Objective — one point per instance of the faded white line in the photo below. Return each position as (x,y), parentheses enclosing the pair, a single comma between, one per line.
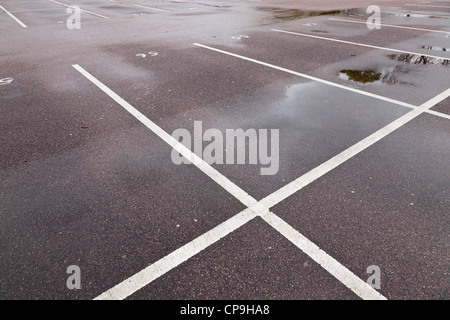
(82,10)
(174,259)
(349,153)
(368,94)
(215,175)
(360,44)
(12,16)
(391,26)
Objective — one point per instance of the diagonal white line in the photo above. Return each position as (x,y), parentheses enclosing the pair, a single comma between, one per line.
(215,175)
(391,26)
(360,44)
(12,16)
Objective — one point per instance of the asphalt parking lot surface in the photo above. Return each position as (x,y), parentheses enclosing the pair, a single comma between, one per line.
(87,176)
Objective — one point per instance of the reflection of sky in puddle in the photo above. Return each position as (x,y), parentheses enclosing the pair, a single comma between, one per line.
(386,75)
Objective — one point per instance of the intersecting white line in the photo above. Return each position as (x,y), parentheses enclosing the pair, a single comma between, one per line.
(391,26)
(359,44)
(261,208)
(12,16)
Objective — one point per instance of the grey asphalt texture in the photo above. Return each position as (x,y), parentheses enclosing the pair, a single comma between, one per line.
(82,182)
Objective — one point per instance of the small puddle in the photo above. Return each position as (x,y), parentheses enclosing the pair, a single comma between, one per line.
(293,14)
(373,76)
(418,59)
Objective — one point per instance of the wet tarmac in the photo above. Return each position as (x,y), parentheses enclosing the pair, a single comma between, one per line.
(83,182)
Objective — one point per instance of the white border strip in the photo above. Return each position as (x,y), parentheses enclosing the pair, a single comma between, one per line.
(12,16)
(360,44)
(82,10)
(391,26)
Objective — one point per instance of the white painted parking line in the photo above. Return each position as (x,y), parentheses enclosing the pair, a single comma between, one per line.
(426,5)
(360,44)
(82,10)
(368,94)
(12,16)
(341,273)
(140,6)
(174,259)
(391,26)
(215,175)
